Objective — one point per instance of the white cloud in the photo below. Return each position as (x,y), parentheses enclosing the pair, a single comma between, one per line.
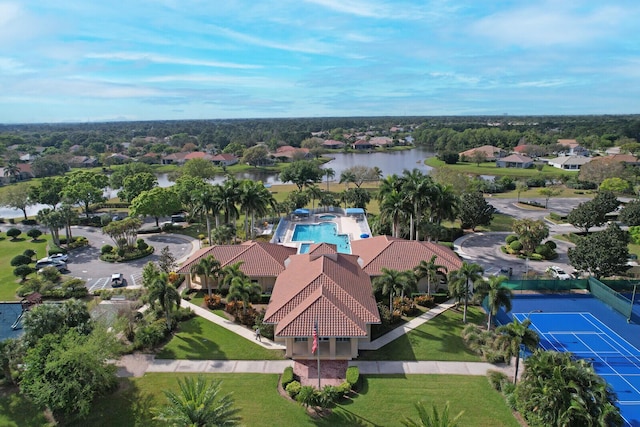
(11,66)
(150,57)
(549,23)
(365,9)
(305,46)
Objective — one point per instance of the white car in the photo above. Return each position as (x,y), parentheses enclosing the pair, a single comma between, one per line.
(558,273)
(59,257)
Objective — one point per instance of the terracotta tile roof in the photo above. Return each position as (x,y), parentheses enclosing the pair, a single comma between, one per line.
(224,157)
(489,150)
(259,259)
(399,254)
(322,248)
(329,288)
(198,155)
(568,142)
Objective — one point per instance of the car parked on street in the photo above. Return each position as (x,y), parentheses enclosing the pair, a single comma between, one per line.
(558,273)
(118,280)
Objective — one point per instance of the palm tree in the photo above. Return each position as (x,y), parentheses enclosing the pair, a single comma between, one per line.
(230,272)
(12,170)
(207,267)
(444,203)
(393,209)
(244,290)
(394,282)
(314,192)
(254,199)
(328,173)
(163,292)
(416,187)
(346,178)
(230,194)
(198,404)
(464,277)
(514,335)
(497,296)
(558,390)
(435,419)
(429,270)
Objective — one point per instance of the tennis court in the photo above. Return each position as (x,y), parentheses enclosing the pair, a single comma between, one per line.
(589,329)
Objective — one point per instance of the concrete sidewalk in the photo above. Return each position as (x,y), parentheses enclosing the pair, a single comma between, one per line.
(429,367)
(233,327)
(407,327)
(366,367)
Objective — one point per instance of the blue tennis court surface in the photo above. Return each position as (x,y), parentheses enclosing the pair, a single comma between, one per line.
(583,334)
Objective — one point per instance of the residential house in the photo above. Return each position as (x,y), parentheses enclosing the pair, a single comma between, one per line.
(327,291)
(492,153)
(289,153)
(262,262)
(197,155)
(118,159)
(332,144)
(572,147)
(224,159)
(628,159)
(519,161)
(569,163)
(362,144)
(381,141)
(174,159)
(82,162)
(25,172)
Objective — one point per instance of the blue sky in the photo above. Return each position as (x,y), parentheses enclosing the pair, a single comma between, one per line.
(90,60)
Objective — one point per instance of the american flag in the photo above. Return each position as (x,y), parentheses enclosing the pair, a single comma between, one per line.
(315,339)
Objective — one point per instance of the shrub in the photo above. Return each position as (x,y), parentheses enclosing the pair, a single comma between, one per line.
(51,274)
(53,249)
(345,388)
(14,233)
(424,300)
(353,376)
(77,243)
(287,376)
(29,222)
(535,257)
(544,250)
(511,238)
(551,244)
(34,233)
(536,182)
(213,302)
(293,388)
(440,297)
(106,249)
(328,396)
(449,157)
(149,336)
(22,271)
(496,379)
(516,245)
(308,396)
(20,260)
(141,244)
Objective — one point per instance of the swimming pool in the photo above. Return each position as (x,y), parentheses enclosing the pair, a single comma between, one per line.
(327,217)
(326,232)
(9,312)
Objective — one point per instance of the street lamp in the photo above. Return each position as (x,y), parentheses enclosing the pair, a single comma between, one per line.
(523,330)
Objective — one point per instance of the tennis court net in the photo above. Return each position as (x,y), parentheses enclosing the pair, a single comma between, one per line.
(613,299)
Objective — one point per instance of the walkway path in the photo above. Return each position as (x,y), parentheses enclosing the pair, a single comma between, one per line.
(139,364)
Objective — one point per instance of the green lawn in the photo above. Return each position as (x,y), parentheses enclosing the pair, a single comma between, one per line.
(383,401)
(489,168)
(438,339)
(16,411)
(500,222)
(9,249)
(199,339)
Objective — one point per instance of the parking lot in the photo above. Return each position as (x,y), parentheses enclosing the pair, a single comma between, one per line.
(85,264)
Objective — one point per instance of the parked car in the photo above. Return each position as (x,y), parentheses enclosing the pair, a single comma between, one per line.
(558,273)
(60,265)
(118,280)
(61,257)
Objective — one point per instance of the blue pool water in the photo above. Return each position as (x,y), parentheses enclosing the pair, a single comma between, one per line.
(8,314)
(327,217)
(304,248)
(326,232)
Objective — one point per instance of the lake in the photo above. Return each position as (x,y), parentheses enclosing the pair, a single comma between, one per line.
(389,162)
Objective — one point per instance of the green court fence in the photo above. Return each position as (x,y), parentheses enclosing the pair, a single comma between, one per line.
(546,285)
(610,297)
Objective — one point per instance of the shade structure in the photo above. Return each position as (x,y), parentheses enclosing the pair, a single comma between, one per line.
(354,211)
(300,211)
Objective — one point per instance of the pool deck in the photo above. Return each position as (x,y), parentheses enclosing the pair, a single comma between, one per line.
(352,226)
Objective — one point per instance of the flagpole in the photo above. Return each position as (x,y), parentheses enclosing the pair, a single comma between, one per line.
(317,332)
